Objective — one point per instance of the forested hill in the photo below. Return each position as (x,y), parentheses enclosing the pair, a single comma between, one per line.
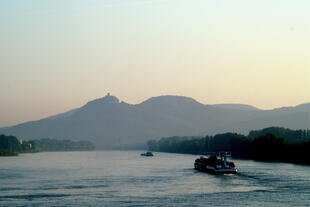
(110,123)
(290,136)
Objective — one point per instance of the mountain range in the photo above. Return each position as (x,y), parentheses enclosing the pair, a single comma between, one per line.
(110,123)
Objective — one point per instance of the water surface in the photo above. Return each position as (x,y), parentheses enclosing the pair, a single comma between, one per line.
(124,178)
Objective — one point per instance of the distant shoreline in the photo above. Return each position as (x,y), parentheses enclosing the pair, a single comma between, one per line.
(12,146)
(273,144)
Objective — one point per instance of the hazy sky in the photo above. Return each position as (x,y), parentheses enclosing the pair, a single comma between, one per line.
(55,55)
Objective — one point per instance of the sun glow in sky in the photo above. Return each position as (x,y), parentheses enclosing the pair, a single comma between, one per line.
(57,55)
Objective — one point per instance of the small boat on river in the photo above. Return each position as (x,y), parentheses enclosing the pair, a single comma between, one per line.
(147,154)
(215,164)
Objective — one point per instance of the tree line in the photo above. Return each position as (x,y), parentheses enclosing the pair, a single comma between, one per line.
(11,145)
(269,144)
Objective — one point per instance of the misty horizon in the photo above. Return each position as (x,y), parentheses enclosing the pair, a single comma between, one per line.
(109,94)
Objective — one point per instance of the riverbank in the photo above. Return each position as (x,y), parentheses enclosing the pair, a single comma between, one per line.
(265,147)
(12,146)
(6,153)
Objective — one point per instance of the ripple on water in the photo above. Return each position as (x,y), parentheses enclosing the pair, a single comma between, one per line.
(33,196)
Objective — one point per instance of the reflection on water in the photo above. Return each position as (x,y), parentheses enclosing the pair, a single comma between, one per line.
(124,178)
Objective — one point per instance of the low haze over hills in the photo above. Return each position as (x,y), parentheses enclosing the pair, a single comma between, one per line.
(109,123)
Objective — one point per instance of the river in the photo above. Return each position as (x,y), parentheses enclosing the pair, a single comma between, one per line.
(124,178)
